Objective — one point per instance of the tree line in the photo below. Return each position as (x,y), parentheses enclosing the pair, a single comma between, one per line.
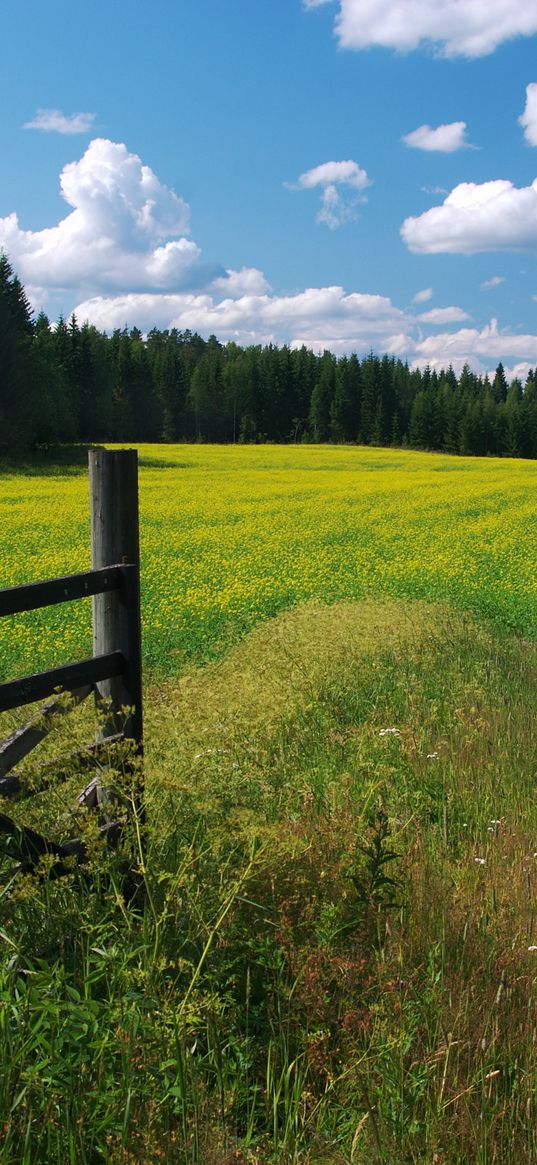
(72,383)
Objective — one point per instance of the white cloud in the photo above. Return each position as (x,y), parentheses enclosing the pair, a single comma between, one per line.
(319,317)
(122,231)
(529,118)
(519,370)
(445,138)
(491,216)
(423,296)
(347,173)
(474,346)
(468,28)
(444,315)
(434,190)
(337,206)
(335,211)
(53,120)
(37,297)
(494,281)
(234,284)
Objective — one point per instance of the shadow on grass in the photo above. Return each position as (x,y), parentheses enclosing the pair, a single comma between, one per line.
(162,463)
(66,460)
(47,460)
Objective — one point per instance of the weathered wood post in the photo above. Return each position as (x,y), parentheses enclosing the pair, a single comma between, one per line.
(116,615)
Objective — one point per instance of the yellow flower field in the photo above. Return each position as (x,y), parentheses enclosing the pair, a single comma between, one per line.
(230,535)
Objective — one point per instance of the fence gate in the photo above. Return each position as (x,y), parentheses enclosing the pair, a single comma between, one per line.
(113,673)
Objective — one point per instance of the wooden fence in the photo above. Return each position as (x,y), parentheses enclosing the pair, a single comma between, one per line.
(113,673)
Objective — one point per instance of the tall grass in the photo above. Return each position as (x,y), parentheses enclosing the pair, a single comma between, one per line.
(336,957)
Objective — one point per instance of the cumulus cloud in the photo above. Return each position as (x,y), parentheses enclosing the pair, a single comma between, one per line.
(125,229)
(474,346)
(494,281)
(444,315)
(468,28)
(318,317)
(491,216)
(341,184)
(234,284)
(445,138)
(348,173)
(529,118)
(54,121)
(519,370)
(423,296)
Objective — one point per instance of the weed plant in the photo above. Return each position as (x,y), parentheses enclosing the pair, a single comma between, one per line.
(334,960)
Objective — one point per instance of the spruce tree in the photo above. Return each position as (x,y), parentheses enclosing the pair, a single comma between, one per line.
(499,385)
(322,398)
(19,390)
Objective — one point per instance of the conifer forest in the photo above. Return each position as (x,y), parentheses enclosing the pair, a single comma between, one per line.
(69,382)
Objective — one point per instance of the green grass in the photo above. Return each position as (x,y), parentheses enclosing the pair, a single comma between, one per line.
(322,973)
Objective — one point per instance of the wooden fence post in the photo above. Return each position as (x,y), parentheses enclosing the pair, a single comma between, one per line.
(116,615)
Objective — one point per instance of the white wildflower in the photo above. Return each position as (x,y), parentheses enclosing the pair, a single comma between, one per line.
(390,732)
(209,752)
(481,861)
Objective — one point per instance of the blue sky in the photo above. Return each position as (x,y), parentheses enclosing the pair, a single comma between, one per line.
(350,174)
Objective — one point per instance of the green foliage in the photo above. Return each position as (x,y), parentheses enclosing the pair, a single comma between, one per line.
(18,417)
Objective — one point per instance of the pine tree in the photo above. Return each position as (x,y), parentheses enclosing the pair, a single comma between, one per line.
(499,385)
(451,409)
(207,397)
(472,439)
(20,401)
(56,420)
(370,397)
(514,432)
(345,409)
(322,398)
(304,365)
(419,422)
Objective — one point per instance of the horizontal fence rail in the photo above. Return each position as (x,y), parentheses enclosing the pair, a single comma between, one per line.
(27,690)
(23,740)
(53,772)
(32,596)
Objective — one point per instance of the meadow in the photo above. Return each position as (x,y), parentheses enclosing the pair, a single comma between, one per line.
(335,959)
(232,535)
